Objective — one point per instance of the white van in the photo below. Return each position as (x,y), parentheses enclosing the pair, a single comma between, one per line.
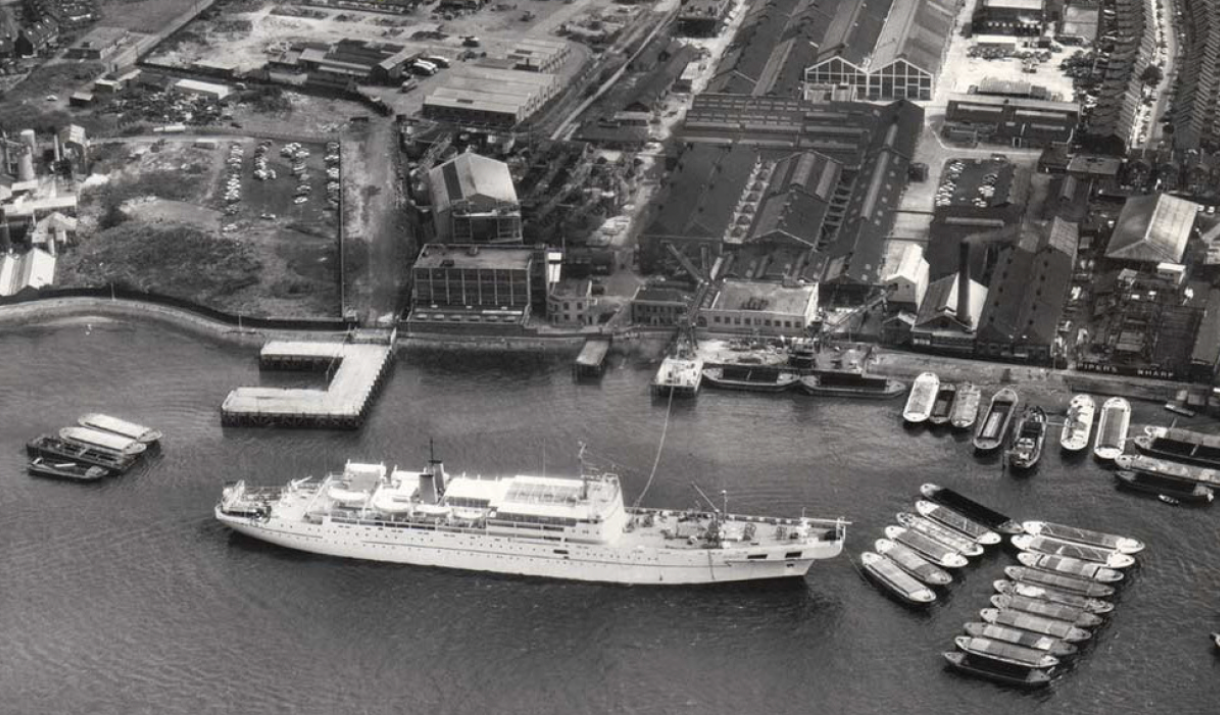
(423,67)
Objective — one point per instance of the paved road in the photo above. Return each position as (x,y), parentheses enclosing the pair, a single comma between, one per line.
(377,243)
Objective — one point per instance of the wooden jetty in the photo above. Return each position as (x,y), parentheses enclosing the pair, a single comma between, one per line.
(592,359)
(359,368)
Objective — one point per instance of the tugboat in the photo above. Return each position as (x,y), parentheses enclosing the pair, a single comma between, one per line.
(923,394)
(1111,438)
(942,406)
(965,406)
(1079,423)
(1026,449)
(994,428)
(751,378)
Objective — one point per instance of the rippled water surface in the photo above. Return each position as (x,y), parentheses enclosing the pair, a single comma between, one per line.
(126,597)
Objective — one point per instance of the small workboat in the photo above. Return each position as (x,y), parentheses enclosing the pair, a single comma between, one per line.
(98,439)
(897,581)
(1016,636)
(131,430)
(1050,595)
(1171,501)
(1062,630)
(59,469)
(1181,445)
(942,406)
(750,378)
(957,522)
(1215,639)
(1068,549)
(1180,409)
(926,547)
(998,671)
(965,406)
(1007,652)
(851,384)
(923,396)
(1070,567)
(1176,489)
(53,447)
(955,540)
(1026,447)
(1088,537)
(1076,616)
(1078,424)
(1059,581)
(993,430)
(1112,429)
(969,508)
(913,563)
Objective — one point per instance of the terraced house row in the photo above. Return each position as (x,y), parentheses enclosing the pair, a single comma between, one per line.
(1196,111)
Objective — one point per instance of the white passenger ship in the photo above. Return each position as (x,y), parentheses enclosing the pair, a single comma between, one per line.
(576,529)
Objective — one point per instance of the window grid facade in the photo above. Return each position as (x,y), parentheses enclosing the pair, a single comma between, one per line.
(897,80)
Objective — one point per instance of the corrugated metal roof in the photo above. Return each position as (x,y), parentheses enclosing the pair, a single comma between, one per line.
(1152,229)
(471,177)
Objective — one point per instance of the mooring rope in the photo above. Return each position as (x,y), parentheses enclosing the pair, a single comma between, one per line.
(660,447)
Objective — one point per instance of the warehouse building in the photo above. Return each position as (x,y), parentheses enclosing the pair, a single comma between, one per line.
(761,308)
(1152,229)
(474,201)
(473,284)
(1009,17)
(539,54)
(1019,121)
(883,49)
(489,96)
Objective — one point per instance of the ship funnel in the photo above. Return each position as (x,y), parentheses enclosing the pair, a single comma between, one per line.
(963,286)
(432,479)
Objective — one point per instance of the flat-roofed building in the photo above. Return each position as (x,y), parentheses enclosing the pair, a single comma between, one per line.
(100,43)
(884,49)
(474,201)
(658,305)
(1018,121)
(1010,17)
(203,89)
(762,308)
(539,54)
(702,18)
(489,96)
(571,302)
(473,277)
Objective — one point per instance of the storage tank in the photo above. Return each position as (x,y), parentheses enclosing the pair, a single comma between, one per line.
(25,167)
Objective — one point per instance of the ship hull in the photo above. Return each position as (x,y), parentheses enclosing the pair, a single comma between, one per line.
(524,557)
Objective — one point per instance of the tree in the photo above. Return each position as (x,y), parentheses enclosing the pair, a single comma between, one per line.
(1152,75)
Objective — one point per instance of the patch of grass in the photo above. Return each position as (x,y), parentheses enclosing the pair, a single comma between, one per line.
(172,259)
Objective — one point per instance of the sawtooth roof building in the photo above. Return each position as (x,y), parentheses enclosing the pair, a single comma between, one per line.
(824,179)
(883,49)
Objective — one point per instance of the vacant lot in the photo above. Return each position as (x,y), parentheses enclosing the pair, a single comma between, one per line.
(158,223)
(146,16)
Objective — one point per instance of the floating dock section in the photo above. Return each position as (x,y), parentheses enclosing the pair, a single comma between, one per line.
(592,359)
(678,376)
(358,369)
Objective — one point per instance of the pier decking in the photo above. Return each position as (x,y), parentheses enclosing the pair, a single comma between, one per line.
(592,359)
(359,369)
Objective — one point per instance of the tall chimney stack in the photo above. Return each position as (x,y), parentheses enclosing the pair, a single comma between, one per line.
(963,285)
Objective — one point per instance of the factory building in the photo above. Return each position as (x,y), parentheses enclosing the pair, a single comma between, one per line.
(473,284)
(883,49)
(489,96)
(1009,17)
(1019,121)
(474,201)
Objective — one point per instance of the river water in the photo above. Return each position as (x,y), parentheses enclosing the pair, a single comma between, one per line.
(126,596)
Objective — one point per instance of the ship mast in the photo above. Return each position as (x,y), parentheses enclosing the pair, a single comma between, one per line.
(584,475)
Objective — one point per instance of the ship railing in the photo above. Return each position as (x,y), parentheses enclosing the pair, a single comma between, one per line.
(743,518)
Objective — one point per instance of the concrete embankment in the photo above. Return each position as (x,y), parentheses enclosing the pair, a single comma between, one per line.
(1035,382)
